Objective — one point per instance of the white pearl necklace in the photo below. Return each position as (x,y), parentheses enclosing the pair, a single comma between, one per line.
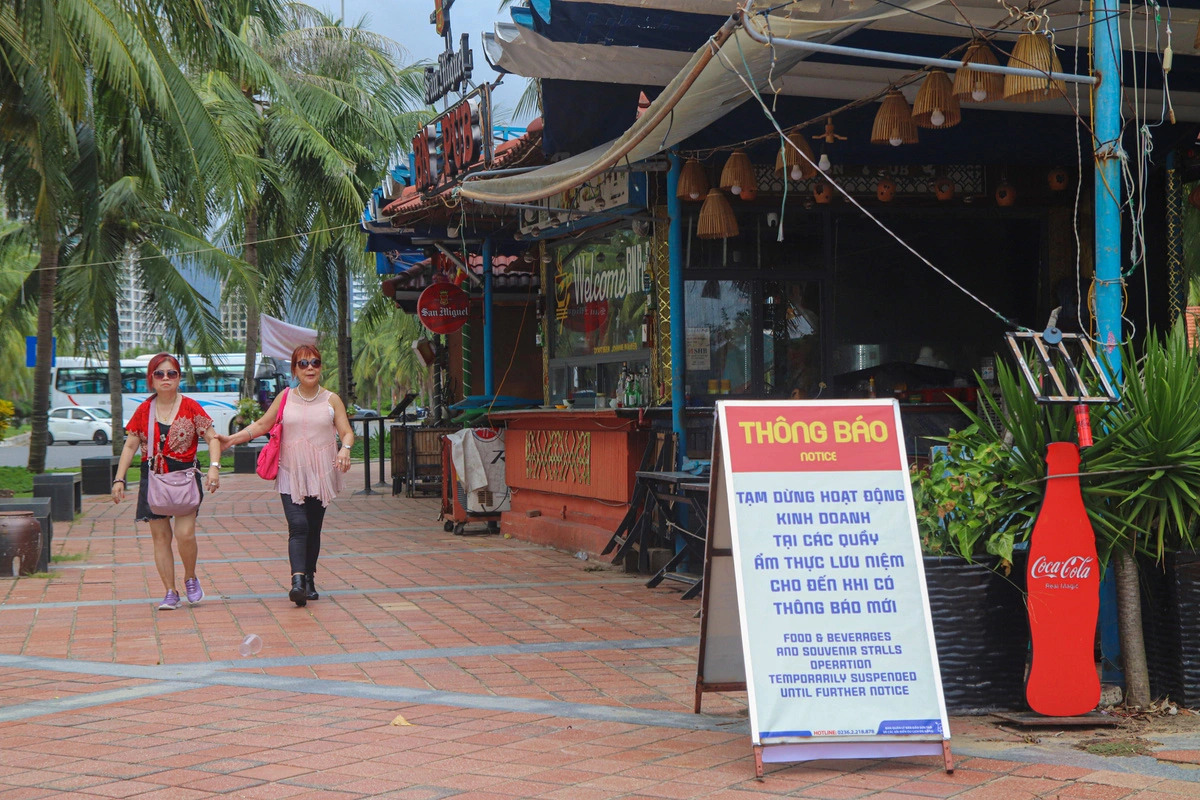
(300,394)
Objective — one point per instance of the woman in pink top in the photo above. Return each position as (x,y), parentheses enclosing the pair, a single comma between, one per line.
(310,463)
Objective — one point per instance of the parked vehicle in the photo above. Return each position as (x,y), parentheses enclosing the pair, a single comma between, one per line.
(77,424)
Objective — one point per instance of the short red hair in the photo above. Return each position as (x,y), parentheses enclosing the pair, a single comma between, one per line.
(157,362)
(302,351)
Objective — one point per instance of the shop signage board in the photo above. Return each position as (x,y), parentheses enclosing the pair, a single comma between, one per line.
(455,141)
(609,192)
(443,308)
(453,69)
(813,540)
(600,297)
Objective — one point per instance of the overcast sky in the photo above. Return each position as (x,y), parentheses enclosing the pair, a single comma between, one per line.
(407,21)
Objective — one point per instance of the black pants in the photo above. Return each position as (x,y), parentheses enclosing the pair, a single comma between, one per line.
(304,532)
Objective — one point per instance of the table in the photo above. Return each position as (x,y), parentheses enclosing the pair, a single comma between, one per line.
(673,493)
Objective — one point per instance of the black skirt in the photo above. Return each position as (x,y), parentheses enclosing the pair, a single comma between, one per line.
(144,514)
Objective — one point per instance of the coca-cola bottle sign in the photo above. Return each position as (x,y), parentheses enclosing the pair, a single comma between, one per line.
(1064,594)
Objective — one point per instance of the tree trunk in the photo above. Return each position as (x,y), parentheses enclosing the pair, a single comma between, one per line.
(47,285)
(250,256)
(1129,623)
(345,382)
(114,381)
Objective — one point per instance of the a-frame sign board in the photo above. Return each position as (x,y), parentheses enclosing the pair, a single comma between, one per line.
(814,587)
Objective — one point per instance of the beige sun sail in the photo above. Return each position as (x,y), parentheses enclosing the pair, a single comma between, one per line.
(708,87)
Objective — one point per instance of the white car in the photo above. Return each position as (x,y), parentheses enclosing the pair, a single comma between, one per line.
(76,424)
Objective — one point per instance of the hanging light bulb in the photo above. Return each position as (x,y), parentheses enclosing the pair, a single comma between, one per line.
(796,174)
(738,173)
(973,85)
(824,164)
(894,122)
(936,106)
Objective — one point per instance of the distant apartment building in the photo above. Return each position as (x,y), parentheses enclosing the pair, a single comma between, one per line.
(136,324)
(233,320)
(360,293)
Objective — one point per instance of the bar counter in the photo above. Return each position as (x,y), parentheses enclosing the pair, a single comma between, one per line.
(571,472)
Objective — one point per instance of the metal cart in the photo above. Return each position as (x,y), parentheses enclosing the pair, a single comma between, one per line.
(456,505)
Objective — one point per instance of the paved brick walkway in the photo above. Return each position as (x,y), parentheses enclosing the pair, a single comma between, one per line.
(433,666)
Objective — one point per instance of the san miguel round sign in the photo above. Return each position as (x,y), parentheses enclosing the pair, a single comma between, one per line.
(443,308)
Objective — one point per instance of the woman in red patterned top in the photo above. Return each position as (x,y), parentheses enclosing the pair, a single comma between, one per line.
(179,424)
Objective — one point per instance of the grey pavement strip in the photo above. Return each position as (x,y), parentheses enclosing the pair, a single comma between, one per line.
(40,708)
(376,656)
(282,595)
(521,705)
(198,670)
(360,554)
(432,527)
(1068,756)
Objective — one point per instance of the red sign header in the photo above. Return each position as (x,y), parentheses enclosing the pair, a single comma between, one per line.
(790,438)
(443,308)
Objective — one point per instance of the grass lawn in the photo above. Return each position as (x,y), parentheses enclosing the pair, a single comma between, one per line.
(20,480)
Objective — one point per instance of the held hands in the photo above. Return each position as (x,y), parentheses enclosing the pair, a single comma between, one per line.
(225,440)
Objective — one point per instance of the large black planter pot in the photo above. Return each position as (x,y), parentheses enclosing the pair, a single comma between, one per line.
(982,633)
(1171,627)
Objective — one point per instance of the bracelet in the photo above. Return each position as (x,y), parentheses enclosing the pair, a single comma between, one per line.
(214,466)
(120,481)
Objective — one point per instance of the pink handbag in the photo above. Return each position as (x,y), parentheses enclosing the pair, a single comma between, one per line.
(268,458)
(169,494)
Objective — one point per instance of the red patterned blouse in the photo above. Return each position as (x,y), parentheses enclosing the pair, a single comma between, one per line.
(190,424)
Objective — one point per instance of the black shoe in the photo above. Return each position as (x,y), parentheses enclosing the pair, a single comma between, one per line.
(298,595)
(311,587)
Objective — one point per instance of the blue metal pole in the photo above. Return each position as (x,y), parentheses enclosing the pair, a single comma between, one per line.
(1106,50)
(489,361)
(675,245)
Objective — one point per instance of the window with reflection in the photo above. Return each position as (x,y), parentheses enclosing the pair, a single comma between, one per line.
(720,329)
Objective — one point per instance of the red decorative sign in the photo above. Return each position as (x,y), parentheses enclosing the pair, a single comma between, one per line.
(443,308)
(453,142)
(1064,594)
(588,317)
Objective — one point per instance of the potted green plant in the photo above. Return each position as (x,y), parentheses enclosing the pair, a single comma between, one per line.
(968,528)
(245,456)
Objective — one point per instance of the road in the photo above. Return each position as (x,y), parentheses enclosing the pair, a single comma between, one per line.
(58,456)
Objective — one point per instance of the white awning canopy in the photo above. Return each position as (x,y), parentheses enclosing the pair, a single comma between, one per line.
(712,82)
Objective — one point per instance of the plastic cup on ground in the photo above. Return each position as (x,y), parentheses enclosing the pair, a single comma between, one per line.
(250,646)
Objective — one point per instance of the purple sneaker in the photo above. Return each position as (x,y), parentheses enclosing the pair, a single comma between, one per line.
(170,602)
(192,588)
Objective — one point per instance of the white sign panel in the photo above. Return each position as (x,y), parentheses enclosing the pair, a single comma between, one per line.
(836,631)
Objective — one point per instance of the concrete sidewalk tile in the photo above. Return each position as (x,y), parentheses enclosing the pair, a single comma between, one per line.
(1128,780)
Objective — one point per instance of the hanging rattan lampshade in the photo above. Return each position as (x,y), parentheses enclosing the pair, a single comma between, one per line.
(717,220)
(693,183)
(790,164)
(738,173)
(973,86)
(1033,51)
(893,122)
(936,106)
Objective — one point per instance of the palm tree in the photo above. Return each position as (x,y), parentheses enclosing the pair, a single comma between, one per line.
(385,364)
(56,58)
(135,223)
(311,131)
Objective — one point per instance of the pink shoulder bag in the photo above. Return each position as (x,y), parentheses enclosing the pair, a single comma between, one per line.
(268,458)
(169,494)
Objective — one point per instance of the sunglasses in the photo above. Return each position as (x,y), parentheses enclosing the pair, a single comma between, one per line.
(305,363)
(171,373)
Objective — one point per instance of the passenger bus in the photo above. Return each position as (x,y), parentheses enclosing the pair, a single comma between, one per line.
(84,382)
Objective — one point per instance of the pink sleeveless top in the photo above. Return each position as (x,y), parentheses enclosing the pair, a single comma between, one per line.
(309,450)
